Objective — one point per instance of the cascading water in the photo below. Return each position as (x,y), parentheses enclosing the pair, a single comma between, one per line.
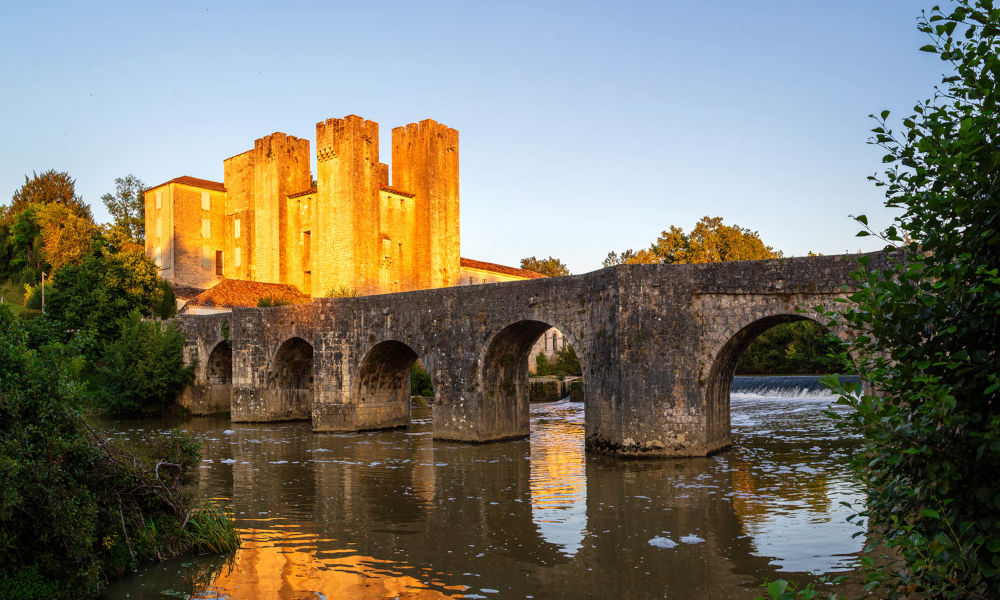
(784,386)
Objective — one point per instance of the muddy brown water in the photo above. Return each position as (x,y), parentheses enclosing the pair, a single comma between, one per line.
(396,514)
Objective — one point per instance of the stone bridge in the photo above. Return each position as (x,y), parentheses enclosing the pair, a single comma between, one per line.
(658,345)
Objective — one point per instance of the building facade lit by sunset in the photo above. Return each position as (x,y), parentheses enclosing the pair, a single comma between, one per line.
(350,228)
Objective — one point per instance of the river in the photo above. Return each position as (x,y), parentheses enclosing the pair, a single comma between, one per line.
(397,515)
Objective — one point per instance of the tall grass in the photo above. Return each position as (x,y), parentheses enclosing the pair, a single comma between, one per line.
(211,530)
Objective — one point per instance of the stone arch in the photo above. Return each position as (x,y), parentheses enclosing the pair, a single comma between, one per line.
(219,369)
(290,380)
(382,391)
(219,378)
(503,409)
(720,377)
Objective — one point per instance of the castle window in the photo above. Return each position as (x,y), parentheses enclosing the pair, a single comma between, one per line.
(159,200)
(218,263)
(158,257)
(236,229)
(206,228)
(206,257)
(206,201)
(236,256)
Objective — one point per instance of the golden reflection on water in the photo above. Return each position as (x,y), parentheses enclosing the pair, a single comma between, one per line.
(399,515)
(282,563)
(558,478)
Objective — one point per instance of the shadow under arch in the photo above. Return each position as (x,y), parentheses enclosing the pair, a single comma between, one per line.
(720,378)
(504,412)
(290,380)
(219,377)
(382,393)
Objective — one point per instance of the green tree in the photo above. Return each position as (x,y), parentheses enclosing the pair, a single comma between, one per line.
(23,246)
(802,347)
(128,207)
(76,509)
(710,241)
(109,283)
(564,363)
(550,267)
(50,187)
(66,236)
(927,326)
(143,369)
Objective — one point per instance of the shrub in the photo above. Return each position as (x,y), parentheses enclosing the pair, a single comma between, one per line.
(143,370)
(342,291)
(927,332)
(269,301)
(33,296)
(167,307)
(76,508)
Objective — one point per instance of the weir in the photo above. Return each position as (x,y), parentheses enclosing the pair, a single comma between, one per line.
(658,346)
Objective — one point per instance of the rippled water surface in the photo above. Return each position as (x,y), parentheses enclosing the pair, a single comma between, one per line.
(397,515)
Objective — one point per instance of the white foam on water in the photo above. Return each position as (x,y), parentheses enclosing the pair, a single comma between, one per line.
(662,542)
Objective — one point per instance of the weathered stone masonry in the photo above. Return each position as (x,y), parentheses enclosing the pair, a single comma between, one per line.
(658,345)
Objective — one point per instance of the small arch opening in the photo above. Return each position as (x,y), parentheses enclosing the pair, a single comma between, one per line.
(290,381)
(219,378)
(220,364)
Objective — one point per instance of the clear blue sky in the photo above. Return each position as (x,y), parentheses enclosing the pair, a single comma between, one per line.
(584,127)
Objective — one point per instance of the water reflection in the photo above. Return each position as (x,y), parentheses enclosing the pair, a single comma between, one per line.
(558,475)
(396,514)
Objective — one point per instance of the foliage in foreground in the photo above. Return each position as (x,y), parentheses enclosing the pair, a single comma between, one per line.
(143,369)
(927,331)
(93,295)
(76,509)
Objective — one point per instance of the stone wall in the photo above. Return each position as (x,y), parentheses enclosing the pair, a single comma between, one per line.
(206,339)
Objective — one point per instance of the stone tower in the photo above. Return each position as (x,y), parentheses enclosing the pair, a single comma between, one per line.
(346,221)
(425,163)
(258,183)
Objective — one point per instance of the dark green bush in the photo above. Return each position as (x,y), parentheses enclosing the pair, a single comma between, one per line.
(927,329)
(143,370)
(75,508)
(167,307)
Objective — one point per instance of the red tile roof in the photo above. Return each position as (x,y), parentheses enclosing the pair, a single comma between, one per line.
(311,190)
(488,266)
(194,182)
(397,191)
(237,292)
